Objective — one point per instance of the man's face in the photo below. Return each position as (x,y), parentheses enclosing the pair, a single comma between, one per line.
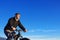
(18,16)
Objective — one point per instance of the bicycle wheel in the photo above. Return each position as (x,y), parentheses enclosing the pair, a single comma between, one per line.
(25,39)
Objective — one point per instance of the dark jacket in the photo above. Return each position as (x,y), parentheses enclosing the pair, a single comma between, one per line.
(14,23)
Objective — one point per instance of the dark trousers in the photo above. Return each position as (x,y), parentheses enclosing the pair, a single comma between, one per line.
(9,36)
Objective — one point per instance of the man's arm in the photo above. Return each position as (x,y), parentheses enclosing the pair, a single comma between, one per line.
(10,22)
(21,26)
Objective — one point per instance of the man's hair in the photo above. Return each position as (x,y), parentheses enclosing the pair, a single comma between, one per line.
(17,14)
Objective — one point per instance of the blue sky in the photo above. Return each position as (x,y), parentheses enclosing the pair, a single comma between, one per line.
(40,17)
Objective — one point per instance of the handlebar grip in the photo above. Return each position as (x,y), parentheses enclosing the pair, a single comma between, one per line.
(18,30)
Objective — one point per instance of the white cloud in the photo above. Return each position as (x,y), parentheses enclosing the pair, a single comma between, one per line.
(42,37)
(38,30)
(36,37)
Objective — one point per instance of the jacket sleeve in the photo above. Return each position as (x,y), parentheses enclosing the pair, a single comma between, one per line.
(21,26)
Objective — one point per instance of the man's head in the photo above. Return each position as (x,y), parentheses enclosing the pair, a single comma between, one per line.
(17,16)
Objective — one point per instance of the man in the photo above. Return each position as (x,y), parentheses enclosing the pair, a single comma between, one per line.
(13,22)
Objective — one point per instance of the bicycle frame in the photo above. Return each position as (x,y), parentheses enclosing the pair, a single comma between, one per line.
(20,37)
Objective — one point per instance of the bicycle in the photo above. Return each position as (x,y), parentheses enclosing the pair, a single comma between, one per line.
(18,36)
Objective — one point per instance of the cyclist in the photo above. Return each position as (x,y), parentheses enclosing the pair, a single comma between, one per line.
(13,22)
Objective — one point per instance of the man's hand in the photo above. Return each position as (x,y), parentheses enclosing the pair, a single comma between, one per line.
(13,28)
(25,30)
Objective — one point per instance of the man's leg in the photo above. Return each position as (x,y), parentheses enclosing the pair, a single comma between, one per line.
(7,35)
(16,37)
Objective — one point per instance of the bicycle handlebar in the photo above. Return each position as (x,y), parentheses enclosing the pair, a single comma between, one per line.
(18,30)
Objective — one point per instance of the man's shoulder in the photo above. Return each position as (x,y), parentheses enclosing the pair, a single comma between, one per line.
(11,18)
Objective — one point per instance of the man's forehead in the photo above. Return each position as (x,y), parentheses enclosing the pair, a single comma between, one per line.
(17,14)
